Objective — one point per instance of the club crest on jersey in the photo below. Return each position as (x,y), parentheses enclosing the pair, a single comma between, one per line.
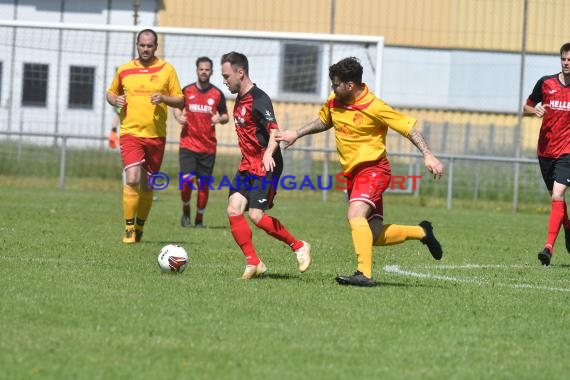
(210,101)
(269,116)
(357,119)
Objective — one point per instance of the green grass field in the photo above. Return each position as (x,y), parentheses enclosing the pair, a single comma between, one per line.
(78,304)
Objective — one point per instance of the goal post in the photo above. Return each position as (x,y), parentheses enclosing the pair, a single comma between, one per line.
(69,67)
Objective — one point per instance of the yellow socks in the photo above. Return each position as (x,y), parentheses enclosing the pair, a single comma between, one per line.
(362,241)
(396,234)
(390,234)
(145,203)
(130,202)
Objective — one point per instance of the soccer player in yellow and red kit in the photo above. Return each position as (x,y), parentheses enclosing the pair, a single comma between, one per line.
(142,89)
(550,100)
(361,121)
(259,169)
(204,107)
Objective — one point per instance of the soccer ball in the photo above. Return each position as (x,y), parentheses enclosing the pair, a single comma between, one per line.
(172,258)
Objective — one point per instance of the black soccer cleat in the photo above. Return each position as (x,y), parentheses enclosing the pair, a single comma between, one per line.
(544,256)
(430,240)
(138,235)
(357,279)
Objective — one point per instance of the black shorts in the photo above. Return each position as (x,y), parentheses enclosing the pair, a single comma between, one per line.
(259,191)
(199,164)
(555,169)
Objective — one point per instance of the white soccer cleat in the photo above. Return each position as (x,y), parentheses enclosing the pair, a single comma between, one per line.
(304,256)
(252,271)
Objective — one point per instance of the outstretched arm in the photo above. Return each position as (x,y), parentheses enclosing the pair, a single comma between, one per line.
(432,164)
(314,126)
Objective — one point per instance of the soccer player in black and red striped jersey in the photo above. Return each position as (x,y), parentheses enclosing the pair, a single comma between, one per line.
(204,107)
(550,100)
(254,185)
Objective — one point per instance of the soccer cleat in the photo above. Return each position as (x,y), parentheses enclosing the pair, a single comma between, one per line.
(430,240)
(130,235)
(138,235)
(567,237)
(252,271)
(303,255)
(544,257)
(199,224)
(185,221)
(357,279)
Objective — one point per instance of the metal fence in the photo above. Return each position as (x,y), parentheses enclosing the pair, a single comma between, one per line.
(469,178)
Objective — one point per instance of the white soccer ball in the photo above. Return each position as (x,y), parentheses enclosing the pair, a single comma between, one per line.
(172,258)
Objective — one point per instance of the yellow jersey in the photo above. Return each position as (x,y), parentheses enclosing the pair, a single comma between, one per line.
(140,117)
(361,127)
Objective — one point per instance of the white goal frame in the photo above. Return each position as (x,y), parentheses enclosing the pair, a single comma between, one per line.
(65,121)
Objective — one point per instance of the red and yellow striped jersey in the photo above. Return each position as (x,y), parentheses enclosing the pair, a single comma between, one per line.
(140,117)
(361,127)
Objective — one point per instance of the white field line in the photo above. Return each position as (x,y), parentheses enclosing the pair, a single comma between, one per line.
(395,269)
(473,266)
(37,259)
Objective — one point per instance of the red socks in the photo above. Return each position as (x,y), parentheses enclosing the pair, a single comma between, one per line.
(186,191)
(566,222)
(242,235)
(274,228)
(557,217)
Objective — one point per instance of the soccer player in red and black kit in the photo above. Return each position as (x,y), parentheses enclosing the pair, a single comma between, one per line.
(204,107)
(254,185)
(550,100)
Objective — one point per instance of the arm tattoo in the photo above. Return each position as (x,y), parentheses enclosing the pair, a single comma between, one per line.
(419,141)
(314,126)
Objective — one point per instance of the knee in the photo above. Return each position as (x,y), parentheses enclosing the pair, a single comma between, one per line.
(255,215)
(131,183)
(232,211)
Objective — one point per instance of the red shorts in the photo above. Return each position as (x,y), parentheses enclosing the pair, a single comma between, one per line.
(147,152)
(367,182)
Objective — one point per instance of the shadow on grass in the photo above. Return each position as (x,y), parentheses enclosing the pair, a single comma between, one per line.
(277,276)
(382,284)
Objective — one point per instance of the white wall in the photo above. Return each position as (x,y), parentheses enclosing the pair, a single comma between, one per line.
(42,46)
(461,80)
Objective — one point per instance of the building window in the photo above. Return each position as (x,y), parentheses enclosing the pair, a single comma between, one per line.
(81,86)
(35,84)
(300,69)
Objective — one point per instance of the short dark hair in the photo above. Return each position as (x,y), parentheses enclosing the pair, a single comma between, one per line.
(236,59)
(347,69)
(145,31)
(204,59)
(565,48)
